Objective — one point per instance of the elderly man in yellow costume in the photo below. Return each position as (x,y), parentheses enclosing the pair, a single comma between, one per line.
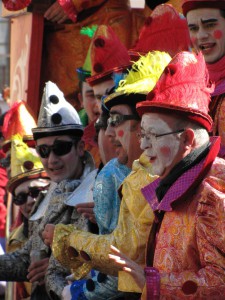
(135,216)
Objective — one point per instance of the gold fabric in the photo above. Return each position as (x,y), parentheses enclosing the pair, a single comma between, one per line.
(130,235)
(191,243)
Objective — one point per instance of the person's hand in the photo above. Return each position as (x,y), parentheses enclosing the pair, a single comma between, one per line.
(55,13)
(87,210)
(48,233)
(128,266)
(37,271)
(66,294)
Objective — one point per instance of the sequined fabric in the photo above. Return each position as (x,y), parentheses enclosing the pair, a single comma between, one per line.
(130,235)
(13,266)
(106,197)
(190,245)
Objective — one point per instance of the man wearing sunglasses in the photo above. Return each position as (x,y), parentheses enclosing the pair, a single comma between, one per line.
(27,182)
(61,151)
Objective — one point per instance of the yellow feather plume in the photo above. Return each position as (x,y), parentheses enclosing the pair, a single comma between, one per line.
(144,73)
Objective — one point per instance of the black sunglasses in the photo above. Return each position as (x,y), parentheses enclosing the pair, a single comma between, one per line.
(33,192)
(59,148)
(116,119)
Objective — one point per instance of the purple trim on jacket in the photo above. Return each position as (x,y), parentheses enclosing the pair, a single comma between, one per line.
(182,184)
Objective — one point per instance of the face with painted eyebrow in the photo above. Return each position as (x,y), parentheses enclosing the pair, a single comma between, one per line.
(207,32)
(124,136)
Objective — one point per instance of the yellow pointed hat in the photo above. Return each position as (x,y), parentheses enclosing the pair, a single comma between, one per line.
(25,163)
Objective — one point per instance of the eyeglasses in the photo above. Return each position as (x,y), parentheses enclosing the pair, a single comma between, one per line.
(33,192)
(153,137)
(59,148)
(116,119)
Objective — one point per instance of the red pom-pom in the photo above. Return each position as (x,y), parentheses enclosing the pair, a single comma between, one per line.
(171,69)
(28,165)
(98,68)
(189,287)
(99,43)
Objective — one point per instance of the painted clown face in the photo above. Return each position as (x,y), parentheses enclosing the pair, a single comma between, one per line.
(123,135)
(207,32)
(164,152)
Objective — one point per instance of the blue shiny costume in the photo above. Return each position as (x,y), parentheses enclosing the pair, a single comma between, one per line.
(107,206)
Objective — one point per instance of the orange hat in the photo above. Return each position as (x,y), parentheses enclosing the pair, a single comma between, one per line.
(195,4)
(165,30)
(183,87)
(108,55)
(18,119)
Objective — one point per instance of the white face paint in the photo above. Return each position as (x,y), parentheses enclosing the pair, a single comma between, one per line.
(124,136)
(163,152)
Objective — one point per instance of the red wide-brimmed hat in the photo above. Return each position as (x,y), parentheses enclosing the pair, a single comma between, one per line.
(107,55)
(184,88)
(195,4)
(164,30)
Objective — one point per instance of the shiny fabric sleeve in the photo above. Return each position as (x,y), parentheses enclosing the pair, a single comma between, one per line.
(209,281)
(106,197)
(130,235)
(14,265)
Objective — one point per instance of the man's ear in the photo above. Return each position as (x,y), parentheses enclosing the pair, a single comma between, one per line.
(80,148)
(189,138)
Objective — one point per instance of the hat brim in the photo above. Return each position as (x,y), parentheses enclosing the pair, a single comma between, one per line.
(191,5)
(17,180)
(75,130)
(196,116)
(98,78)
(82,74)
(118,98)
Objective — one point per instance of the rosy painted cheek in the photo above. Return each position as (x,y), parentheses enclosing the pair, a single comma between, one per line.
(218,34)
(120,133)
(165,151)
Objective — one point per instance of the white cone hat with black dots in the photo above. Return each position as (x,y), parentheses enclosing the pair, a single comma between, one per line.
(56,116)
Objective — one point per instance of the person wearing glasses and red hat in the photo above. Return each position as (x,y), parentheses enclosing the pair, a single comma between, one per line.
(61,151)
(206,22)
(185,251)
